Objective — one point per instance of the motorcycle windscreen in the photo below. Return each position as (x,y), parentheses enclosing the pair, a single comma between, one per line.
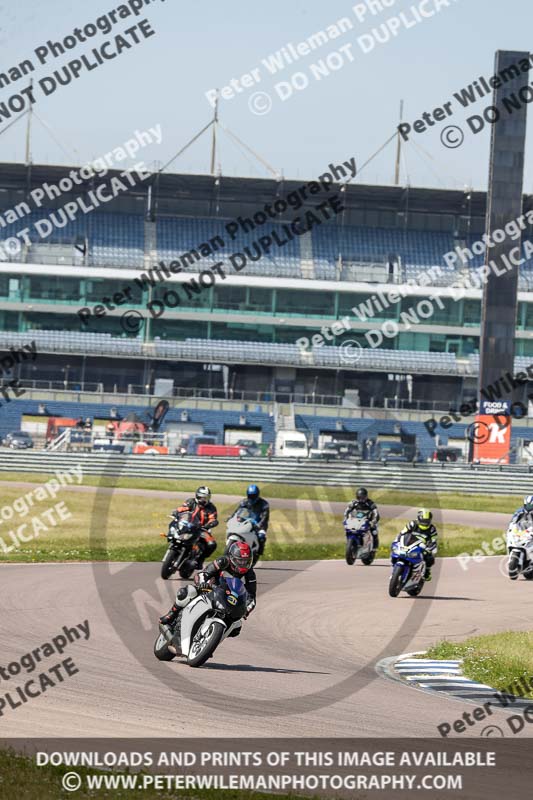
(356,522)
(241,521)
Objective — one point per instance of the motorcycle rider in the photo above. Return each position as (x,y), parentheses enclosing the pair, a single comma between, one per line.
(237,561)
(205,513)
(362,502)
(525,513)
(260,508)
(423,526)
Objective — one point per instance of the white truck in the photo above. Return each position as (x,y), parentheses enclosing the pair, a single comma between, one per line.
(291,444)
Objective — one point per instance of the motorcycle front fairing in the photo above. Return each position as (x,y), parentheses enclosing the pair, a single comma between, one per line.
(409,552)
(244,529)
(200,607)
(205,605)
(356,527)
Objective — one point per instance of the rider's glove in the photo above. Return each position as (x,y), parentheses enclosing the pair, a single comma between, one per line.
(201,581)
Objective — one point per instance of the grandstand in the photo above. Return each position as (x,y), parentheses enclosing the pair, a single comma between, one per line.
(240,335)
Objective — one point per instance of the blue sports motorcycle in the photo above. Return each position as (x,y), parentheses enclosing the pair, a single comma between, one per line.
(408,565)
(359,540)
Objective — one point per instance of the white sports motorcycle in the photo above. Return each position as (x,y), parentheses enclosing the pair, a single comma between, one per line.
(520,547)
(242,527)
(213,615)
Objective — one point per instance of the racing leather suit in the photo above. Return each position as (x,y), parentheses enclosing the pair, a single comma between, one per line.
(523,516)
(430,539)
(213,572)
(261,511)
(207,517)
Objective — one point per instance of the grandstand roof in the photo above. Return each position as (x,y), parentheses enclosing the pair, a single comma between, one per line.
(175,189)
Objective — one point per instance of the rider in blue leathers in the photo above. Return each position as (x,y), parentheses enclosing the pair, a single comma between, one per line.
(260,509)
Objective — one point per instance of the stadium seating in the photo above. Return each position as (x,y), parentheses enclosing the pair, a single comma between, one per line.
(212,422)
(235,351)
(176,236)
(118,240)
(113,239)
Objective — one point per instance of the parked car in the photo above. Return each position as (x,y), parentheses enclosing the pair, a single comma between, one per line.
(345,449)
(447,454)
(18,440)
(251,447)
(323,454)
(393,451)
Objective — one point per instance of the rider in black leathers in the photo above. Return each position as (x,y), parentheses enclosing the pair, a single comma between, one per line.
(237,562)
(363,503)
(423,526)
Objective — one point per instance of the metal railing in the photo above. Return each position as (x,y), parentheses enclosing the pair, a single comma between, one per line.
(124,394)
(472,479)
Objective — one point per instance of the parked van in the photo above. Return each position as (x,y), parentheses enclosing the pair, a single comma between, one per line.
(291,444)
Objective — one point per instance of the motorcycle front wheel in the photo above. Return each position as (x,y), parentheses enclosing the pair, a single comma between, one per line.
(395,583)
(204,645)
(514,567)
(187,569)
(167,567)
(350,552)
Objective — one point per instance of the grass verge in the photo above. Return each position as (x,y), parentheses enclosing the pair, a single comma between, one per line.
(500,660)
(21,778)
(455,500)
(121,527)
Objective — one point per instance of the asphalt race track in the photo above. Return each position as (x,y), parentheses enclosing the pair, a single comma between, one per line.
(303,666)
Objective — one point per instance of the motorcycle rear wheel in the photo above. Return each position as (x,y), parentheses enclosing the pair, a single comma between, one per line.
(161,650)
(368,559)
(204,645)
(395,583)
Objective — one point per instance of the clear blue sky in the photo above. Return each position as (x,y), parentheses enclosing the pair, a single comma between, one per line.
(204,44)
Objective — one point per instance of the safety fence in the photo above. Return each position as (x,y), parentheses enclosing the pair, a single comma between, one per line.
(408,477)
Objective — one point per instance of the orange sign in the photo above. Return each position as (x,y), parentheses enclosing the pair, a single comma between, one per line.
(150,449)
(491,436)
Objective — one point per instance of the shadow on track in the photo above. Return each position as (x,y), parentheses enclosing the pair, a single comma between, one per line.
(441,597)
(250,668)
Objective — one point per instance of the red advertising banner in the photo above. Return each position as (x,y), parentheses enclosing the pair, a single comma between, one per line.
(491,436)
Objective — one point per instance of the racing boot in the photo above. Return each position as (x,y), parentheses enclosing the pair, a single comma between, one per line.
(427,576)
(167,620)
(375,541)
(183,597)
